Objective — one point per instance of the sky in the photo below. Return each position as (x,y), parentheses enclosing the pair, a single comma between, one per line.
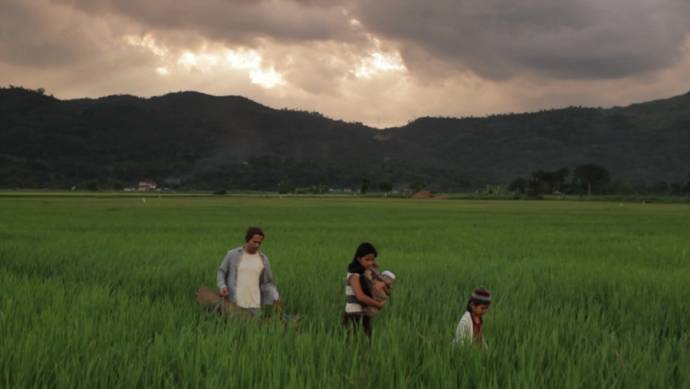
(380,62)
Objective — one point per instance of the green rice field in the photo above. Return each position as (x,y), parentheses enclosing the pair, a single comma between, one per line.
(98,292)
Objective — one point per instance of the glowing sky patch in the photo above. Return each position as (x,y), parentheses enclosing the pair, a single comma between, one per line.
(378,63)
(243,59)
(204,62)
(147,42)
(210,61)
(268,78)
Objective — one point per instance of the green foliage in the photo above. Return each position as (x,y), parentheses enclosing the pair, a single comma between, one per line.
(91,186)
(548,182)
(284,188)
(591,178)
(99,292)
(417,186)
(364,186)
(496,190)
(519,185)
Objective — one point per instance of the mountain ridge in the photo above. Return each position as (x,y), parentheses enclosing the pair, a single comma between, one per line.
(207,141)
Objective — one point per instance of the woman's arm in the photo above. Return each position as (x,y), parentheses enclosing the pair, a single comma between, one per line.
(356,285)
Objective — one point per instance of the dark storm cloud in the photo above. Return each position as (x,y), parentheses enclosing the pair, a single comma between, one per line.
(32,36)
(232,21)
(564,39)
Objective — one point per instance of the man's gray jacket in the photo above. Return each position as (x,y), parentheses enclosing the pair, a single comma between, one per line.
(227,277)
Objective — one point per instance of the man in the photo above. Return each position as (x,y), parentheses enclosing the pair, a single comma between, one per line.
(244,276)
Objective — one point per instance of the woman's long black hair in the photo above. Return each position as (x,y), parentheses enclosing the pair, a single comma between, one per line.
(364,248)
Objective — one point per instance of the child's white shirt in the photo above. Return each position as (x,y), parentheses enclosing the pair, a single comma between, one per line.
(464,332)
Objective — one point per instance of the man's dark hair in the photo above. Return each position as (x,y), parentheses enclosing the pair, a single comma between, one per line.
(251,231)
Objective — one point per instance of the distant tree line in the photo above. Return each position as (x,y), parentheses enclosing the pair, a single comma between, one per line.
(589,179)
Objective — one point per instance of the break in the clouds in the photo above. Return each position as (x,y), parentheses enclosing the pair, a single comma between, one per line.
(382,62)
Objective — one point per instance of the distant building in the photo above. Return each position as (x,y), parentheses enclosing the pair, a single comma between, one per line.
(146,186)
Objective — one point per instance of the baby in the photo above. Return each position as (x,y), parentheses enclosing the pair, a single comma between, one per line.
(381,285)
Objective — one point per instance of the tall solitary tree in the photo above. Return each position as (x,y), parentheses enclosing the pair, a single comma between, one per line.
(591,177)
(518,185)
(364,186)
(386,186)
(549,181)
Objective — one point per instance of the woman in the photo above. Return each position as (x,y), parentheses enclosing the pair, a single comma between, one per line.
(358,290)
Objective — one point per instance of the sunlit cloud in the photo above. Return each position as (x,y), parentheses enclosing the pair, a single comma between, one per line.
(187,59)
(379,63)
(204,62)
(210,61)
(244,59)
(267,78)
(147,42)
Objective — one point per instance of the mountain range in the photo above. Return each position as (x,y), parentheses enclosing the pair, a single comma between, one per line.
(198,141)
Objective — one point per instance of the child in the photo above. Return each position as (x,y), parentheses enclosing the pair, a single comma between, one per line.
(381,288)
(469,329)
(357,290)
